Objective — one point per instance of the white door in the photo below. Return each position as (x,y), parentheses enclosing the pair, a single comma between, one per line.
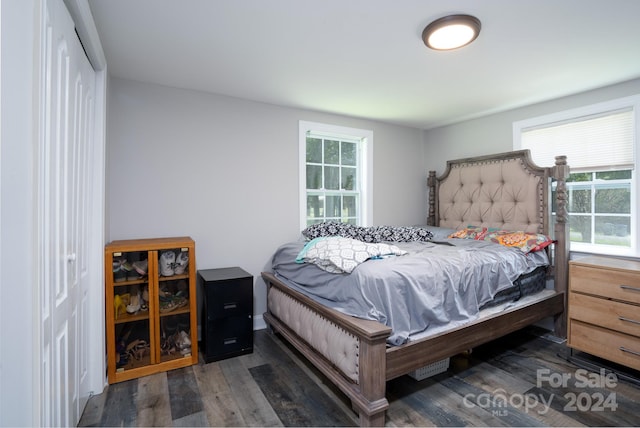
(69,104)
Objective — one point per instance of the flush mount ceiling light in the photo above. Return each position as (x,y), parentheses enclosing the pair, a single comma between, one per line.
(451,32)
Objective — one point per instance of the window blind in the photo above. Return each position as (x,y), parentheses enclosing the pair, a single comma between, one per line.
(600,142)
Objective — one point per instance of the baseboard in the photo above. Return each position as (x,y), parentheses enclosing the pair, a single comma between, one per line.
(259,323)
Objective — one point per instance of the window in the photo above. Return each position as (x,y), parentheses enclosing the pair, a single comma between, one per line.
(599,142)
(335,174)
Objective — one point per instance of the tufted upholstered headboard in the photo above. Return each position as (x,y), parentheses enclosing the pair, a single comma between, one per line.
(506,191)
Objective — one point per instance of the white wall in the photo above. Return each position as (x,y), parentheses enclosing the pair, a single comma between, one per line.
(225,172)
(18,302)
(494,133)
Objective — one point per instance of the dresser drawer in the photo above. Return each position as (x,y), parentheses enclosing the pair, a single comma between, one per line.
(617,347)
(608,283)
(617,316)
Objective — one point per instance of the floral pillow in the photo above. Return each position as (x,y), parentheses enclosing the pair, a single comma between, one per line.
(527,242)
(470,232)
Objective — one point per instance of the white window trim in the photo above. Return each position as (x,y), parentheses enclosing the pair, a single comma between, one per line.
(617,104)
(366,168)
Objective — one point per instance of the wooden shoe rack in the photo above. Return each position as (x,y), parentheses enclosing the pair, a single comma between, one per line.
(151,320)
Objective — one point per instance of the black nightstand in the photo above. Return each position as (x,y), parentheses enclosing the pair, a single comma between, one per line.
(227,315)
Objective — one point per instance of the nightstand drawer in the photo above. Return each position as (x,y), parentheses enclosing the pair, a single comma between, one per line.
(618,316)
(618,347)
(608,283)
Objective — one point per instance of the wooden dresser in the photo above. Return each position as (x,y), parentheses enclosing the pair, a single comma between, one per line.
(604,309)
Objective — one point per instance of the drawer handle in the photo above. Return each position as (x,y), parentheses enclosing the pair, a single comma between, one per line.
(232,340)
(628,287)
(623,349)
(628,320)
(231,305)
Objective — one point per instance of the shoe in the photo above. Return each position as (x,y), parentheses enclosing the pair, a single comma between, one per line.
(118,305)
(172,303)
(167,263)
(141,267)
(183,342)
(138,349)
(122,358)
(129,271)
(119,274)
(182,261)
(134,304)
(184,339)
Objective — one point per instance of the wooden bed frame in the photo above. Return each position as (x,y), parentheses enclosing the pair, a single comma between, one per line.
(376,363)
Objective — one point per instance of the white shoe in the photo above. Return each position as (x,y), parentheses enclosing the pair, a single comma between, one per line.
(182,260)
(184,340)
(134,304)
(167,263)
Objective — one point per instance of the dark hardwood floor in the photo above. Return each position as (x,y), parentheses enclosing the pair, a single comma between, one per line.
(520,380)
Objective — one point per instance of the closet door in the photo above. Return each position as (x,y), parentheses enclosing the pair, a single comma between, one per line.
(68,84)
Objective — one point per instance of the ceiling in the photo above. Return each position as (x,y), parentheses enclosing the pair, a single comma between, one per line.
(366,59)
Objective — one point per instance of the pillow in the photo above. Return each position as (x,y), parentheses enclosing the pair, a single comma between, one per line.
(439,233)
(527,242)
(371,234)
(338,254)
(471,232)
(401,234)
(331,228)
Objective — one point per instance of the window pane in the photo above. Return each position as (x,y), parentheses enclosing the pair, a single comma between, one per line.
(348,178)
(333,206)
(579,199)
(314,150)
(613,230)
(314,206)
(314,177)
(349,206)
(332,177)
(614,175)
(580,176)
(613,198)
(332,152)
(580,228)
(349,153)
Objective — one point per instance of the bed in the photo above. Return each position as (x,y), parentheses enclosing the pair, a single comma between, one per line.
(360,353)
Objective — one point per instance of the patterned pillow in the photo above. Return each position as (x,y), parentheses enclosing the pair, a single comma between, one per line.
(371,234)
(527,242)
(403,234)
(470,232)
(331,228)
(337,254)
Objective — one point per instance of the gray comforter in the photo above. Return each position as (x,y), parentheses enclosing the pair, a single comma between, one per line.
(434,285)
